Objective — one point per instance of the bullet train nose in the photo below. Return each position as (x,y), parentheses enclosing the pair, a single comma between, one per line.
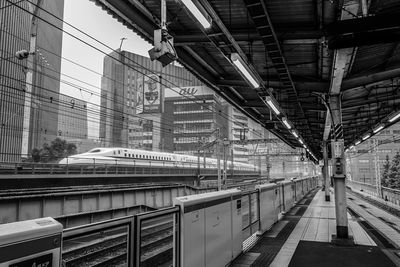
(63,161)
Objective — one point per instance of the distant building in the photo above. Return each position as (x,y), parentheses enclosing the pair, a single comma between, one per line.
(238,128)
(362,159)
(192,117)
(132,100)
(72,118)
(15,25)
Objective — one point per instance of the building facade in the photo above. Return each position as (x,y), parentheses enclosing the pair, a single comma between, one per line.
(366,160)
(196,120)
(72,118)
(41,119)
(132,100)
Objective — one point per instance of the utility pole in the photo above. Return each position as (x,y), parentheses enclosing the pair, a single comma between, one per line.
(232,166)
(120,45)
(268,166)
(198,168)
(225,150)
(29,80)
(218,146)
(377,169)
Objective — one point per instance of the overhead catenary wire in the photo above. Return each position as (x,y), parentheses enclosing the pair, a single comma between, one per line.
(99,50)
(249,118)
(117,59)
(82,88)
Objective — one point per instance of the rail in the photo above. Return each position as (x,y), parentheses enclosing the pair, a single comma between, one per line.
(388,194)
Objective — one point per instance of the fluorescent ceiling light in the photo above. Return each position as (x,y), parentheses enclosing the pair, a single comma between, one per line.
(395,117)
(377,129)
(357,143)
(295,134)
(301,141)
(240,65)
(272,105)
(351,147)
(286,123)
(365,137)
(197,13)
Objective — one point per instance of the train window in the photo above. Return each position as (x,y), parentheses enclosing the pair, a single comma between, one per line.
(119,151)
(129,155)
(114,152)
(94,151)
(125,154)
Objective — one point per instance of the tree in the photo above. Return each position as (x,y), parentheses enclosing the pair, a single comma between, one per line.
(35,155)
(57,150)
(394,172)
(385,173)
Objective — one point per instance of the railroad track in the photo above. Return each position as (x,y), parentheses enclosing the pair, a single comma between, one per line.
(376,203)
(110,249)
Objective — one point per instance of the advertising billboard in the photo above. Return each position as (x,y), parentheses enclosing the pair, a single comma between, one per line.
(152,97)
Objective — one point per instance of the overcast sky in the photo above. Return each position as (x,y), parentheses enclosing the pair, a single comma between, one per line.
(88,17)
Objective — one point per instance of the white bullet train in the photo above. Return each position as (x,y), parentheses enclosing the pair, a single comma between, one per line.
(142,158)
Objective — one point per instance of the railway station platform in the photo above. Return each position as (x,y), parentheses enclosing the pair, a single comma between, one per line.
(278,224)
(304,234)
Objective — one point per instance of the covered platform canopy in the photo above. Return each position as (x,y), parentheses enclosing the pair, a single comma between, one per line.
(298,52)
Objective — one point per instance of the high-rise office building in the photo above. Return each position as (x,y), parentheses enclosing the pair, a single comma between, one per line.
(195,117)
(23,127)
(72,118)
(132,100)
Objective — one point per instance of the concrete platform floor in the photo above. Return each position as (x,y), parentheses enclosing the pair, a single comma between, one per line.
(302,238)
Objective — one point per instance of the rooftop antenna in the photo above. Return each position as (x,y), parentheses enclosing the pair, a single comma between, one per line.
(122,40)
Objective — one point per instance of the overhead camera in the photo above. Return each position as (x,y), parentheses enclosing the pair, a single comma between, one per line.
(163,50)
(22,54)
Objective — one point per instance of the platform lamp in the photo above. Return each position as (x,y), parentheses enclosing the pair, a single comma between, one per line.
(244,70)
(365,137)
(378,128)
(286,122)
(199,13)
(271,103)
(394,116)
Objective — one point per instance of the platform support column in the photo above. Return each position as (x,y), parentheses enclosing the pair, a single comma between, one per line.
(325,172)
(338,170)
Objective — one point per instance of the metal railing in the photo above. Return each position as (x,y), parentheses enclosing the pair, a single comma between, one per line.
(129,241)
(132,238)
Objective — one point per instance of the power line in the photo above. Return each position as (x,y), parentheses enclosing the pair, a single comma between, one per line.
(98,48)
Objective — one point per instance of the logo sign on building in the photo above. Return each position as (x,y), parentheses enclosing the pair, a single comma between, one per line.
(188,91)
(139,95)
(151,94)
